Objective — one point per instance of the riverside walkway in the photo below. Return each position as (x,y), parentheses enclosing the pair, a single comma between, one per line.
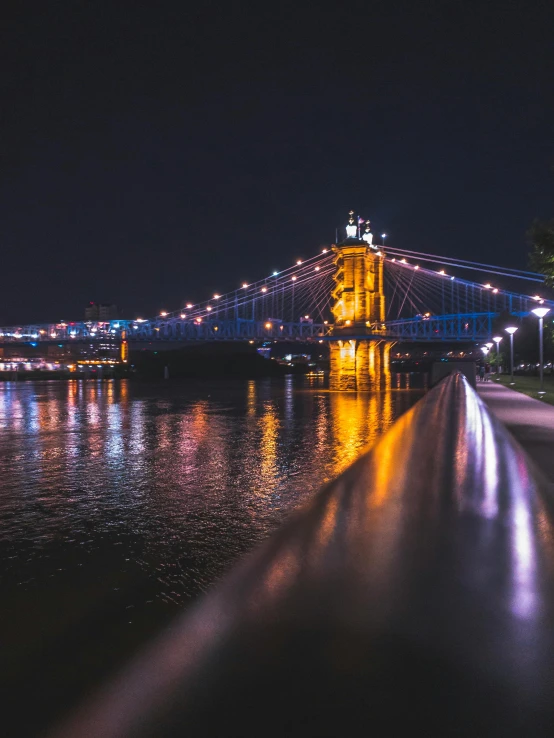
(530,421)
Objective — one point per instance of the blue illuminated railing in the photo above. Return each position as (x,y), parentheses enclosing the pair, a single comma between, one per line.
(471,326)
(173,329)
(455,327)
(414,595)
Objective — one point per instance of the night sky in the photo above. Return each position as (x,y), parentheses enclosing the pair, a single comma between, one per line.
(153,153)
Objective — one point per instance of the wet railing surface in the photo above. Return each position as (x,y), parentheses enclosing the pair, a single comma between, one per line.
(413,596)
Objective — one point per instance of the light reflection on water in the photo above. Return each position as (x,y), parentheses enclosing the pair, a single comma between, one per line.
(140,496)
(219,464)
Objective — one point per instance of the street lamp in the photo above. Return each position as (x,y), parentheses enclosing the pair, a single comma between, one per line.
(383,236)
(497,340)
(540,313)
(511,330)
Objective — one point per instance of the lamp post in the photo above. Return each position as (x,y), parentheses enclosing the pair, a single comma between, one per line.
(511,330)
(383,236)
(540,313)
(497,340)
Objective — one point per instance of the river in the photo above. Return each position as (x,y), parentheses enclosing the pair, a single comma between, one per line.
(121,502)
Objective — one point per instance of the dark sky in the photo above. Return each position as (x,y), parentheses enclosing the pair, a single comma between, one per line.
(156,152)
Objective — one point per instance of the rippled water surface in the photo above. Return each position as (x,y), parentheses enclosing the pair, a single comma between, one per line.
(121,502)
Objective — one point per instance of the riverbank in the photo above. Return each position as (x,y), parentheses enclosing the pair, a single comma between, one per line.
(528,386)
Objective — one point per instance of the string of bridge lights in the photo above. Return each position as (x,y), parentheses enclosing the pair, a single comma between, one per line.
(262,287)
(299,271)
(487,286)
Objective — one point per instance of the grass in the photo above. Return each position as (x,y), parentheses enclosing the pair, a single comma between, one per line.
(529,386)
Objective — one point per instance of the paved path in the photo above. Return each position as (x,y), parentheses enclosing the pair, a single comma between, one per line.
(530,421)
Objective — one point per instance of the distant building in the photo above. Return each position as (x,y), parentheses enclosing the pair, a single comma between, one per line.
(101,311)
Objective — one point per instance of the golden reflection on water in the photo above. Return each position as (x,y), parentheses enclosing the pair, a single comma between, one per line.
(268,449)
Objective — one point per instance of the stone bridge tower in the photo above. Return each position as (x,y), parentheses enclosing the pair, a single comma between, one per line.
(359,355)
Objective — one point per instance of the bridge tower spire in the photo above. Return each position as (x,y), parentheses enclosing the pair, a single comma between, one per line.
(358,309)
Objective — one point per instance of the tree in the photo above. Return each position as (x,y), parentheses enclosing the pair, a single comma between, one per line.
(495,359)
(541,241)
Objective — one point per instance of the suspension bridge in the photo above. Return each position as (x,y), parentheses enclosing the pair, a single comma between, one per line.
(395,294)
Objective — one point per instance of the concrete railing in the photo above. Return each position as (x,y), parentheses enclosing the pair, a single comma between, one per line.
(413,596)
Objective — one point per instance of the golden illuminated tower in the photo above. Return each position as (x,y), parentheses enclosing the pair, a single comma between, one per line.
(359,310)
(358,295)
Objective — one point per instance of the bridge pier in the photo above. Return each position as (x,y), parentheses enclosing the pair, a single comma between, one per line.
(359,364)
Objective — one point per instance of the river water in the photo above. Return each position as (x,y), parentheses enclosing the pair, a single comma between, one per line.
(121,502)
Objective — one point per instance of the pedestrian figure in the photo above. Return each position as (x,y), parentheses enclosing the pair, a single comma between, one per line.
(487,372)
(482,372)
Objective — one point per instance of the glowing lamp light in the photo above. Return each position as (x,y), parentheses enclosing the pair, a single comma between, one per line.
(293,279)
(317,269)
(495,290)
(441,271)
(275,274)
(307,317)
(264,289)
(383,235)
(323,251)
(378,253)
(163,314)
(347,322)
(451,278)
(216,296)
(299,262)
(209,308)
(403,261)
(487,286)
(325,322)
(511,329)
(280,327)
(536,297)
(189,306)
(244,286)
(183,316)
(540,312)
(489,345)
(268,326)
(497,339)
